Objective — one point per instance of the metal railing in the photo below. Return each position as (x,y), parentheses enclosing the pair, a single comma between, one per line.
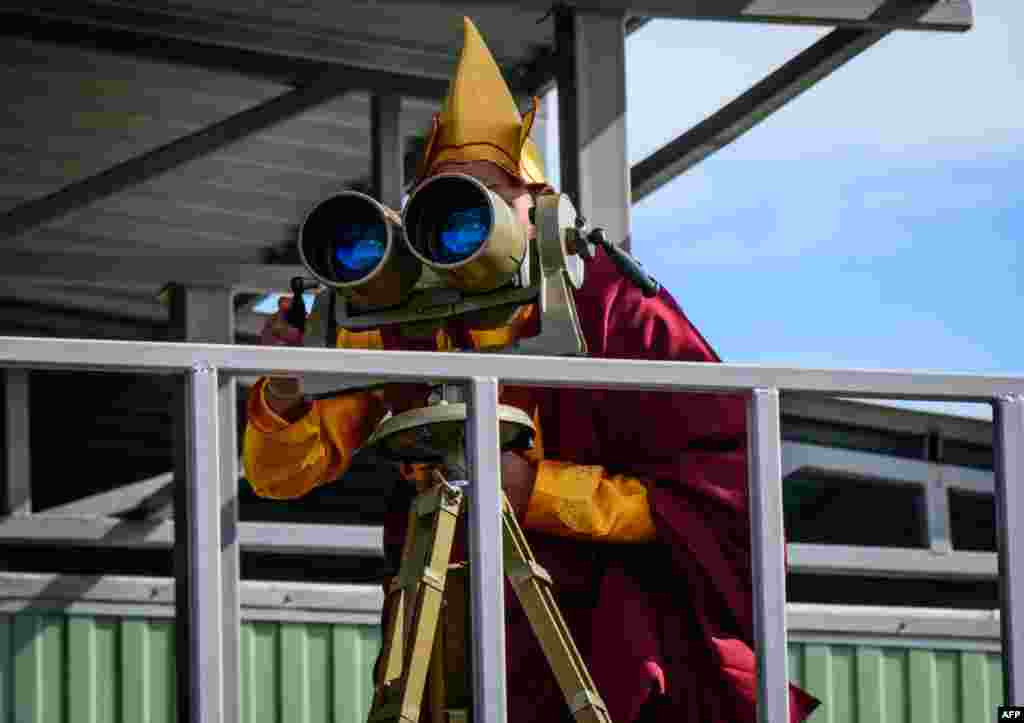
(205,367)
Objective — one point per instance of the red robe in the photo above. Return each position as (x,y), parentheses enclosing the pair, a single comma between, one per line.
(684,601)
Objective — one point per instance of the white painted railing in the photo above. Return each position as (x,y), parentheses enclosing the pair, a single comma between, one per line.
(206,367)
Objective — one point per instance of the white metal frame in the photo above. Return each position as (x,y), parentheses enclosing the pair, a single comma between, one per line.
(201,365)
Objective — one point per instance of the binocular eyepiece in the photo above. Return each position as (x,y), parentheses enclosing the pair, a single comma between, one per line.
(452,224)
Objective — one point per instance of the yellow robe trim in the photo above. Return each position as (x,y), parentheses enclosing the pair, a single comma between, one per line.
(286,460)
(583,501)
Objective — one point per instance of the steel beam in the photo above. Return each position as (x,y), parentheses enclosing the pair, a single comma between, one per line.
(740,115)
(387,148)
(774,91)
(112,533)
(33,214)
(140,274)
(17,498)
(941,15)
(116,501)
(890,562)
(1009,445)
(764,447)
(487,581)
(262,49)
(855,464)
(591,76)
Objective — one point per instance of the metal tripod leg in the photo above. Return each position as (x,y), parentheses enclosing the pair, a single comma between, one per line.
(407,656)
(419,588)
(533,588)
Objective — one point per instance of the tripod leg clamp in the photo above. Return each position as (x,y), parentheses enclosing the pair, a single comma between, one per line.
(522,571)
(587,699)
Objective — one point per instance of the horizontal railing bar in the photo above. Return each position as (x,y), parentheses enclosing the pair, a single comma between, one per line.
(367,541)
(350,366)
(886,469)
(154,597)
(77,593)
(906,622)
(890,562)
(284,538)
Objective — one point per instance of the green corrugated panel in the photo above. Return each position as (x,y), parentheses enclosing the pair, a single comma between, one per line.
(83,669)
(868,684)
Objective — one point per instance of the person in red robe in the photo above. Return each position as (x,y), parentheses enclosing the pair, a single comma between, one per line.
(636,503)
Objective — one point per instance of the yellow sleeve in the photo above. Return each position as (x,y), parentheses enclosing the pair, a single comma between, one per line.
(584,502)
(285,461)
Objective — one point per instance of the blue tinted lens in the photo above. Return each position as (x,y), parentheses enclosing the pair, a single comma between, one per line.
(462,233)
(359,248)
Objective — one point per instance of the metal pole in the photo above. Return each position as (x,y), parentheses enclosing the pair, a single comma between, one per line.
(203,584)
(207,315)
(591,75)
(768,557)
(1009,478)
(485,546)
(18,459)
(386,148)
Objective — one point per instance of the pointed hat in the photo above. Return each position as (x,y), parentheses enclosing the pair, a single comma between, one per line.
(479,120)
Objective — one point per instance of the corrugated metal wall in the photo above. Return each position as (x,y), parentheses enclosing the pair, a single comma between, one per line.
(874,684)
(82,669)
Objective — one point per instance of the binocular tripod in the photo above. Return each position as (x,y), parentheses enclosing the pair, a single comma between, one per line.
(428,618)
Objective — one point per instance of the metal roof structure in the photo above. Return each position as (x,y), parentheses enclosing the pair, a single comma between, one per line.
(141,137)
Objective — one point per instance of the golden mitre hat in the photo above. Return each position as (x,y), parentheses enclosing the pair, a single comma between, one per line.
(479,120)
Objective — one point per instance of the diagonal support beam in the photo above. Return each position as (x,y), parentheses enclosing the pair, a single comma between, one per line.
(33,214)
(258,49)
(743,113)
(767,96)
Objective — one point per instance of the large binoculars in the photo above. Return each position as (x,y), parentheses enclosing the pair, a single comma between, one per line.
(452,225)
(457,249)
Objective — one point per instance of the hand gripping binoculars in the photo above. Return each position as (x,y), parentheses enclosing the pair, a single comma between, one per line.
(457,249)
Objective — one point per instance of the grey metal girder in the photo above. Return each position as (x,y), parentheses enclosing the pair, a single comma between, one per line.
(258,49)
(591,76)
(765,97)
(134,171)
(386,148)
(17,491)
(140,274)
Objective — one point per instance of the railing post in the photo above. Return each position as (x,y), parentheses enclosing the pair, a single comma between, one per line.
(1009,478)
(764,463)
(201,588)
(201,314)
(17,492)
(487,580)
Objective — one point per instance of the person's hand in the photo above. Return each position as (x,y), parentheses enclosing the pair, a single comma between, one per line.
(518,476)
(283,394)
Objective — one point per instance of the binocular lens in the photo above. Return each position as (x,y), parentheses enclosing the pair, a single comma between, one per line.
(344,239)
(358,248)
(461,234)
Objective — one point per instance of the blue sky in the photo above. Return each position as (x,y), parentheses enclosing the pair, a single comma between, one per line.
(874,222)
